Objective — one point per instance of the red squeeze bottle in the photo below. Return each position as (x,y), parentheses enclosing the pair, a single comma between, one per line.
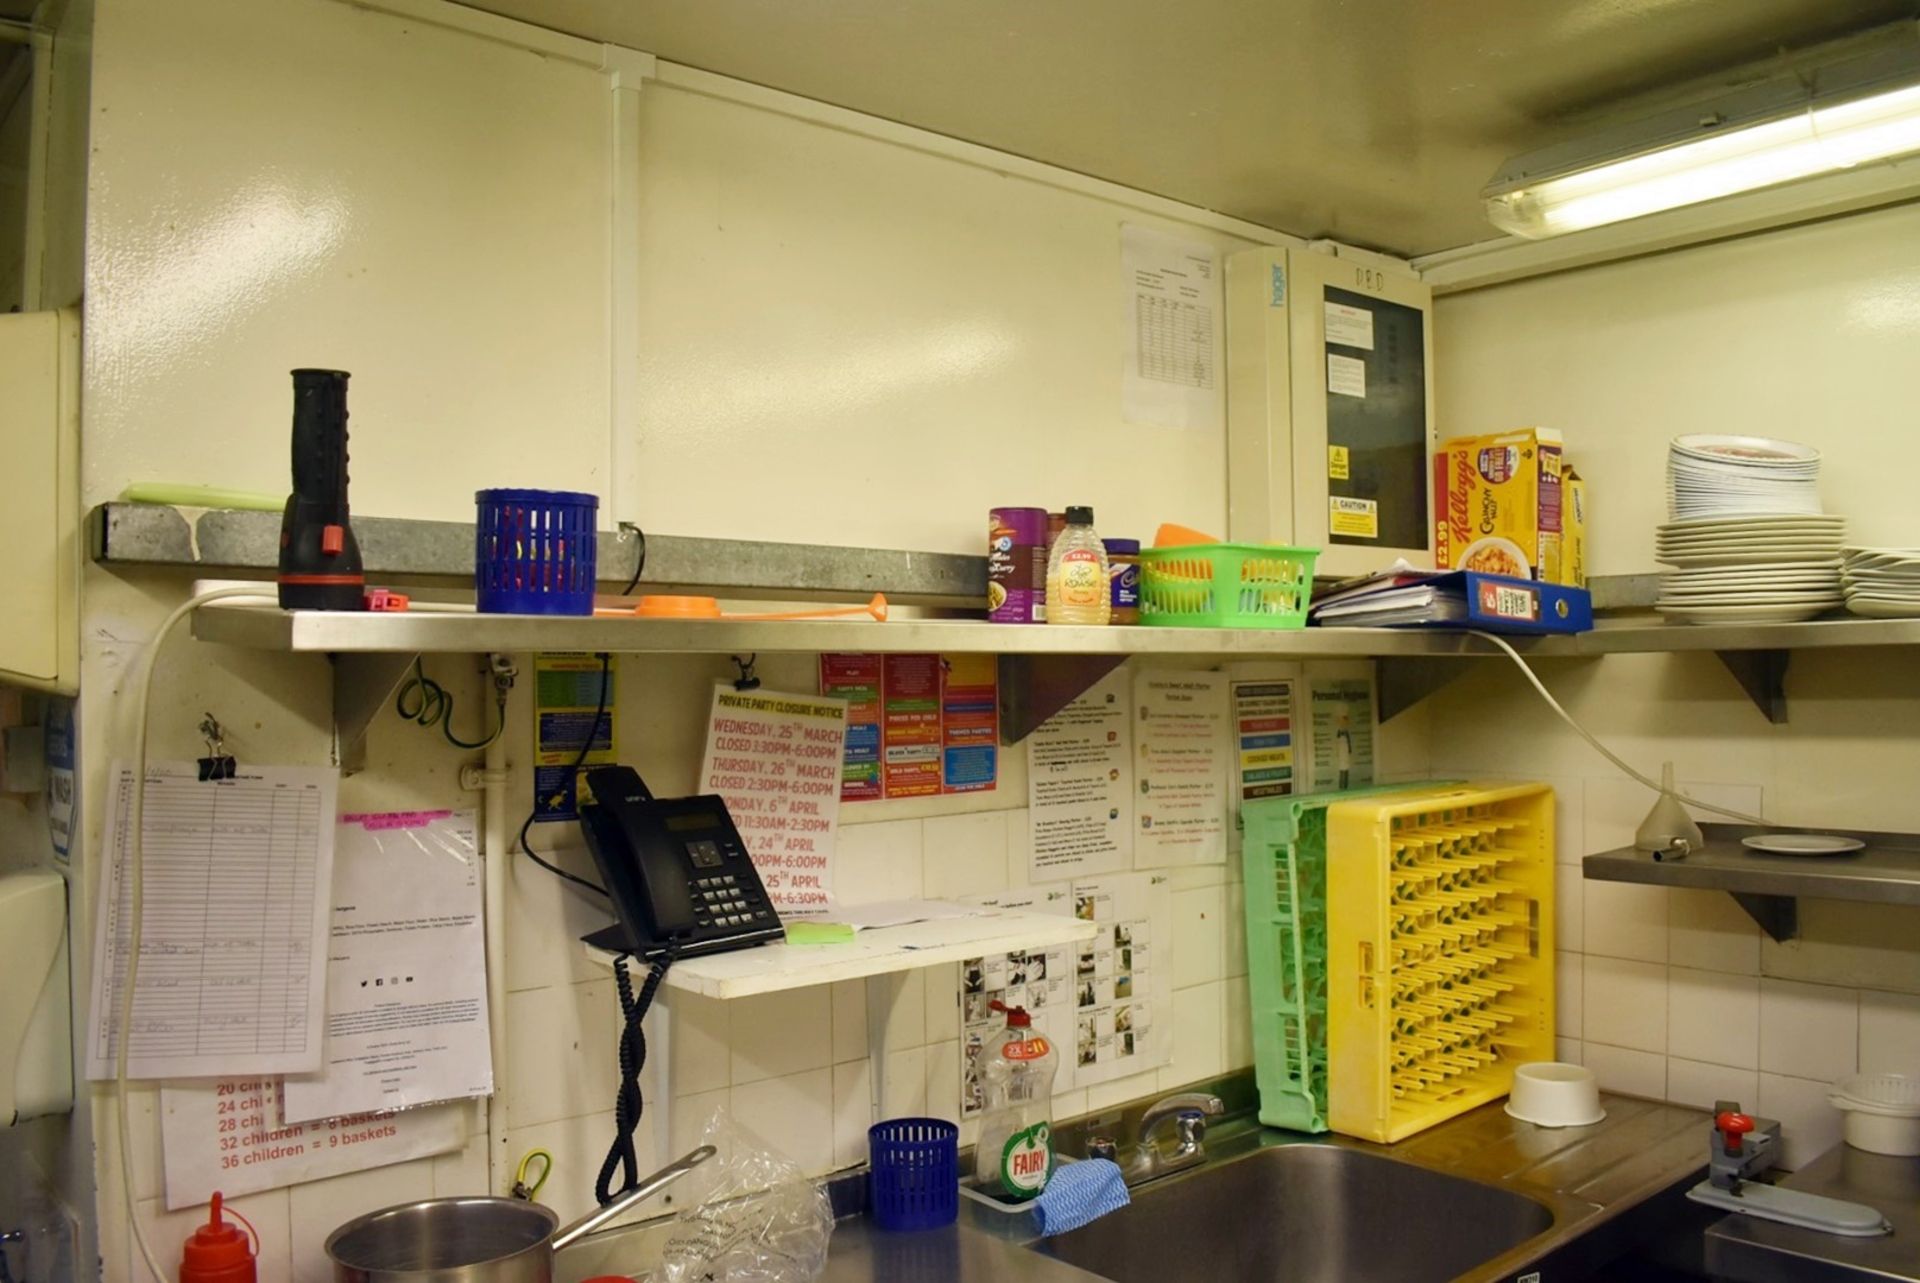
(217,1252)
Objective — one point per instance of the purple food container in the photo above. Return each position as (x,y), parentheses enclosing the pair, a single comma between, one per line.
(1017,565)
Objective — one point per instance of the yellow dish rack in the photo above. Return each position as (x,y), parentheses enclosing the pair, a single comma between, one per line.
(1440,952)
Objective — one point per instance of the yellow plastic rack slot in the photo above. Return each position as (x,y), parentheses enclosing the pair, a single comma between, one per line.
(1440,952)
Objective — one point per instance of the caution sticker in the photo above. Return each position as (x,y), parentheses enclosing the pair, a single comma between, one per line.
(1337,463)
(1357,518)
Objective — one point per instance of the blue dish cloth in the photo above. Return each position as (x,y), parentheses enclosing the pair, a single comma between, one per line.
(1079,1193)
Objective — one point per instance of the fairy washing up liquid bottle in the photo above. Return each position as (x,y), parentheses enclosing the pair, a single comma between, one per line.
(1014,1156)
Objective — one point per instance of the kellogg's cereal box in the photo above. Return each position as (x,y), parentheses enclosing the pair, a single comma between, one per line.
(1497,503)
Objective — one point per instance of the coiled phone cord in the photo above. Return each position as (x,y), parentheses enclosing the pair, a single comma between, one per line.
(633,1058)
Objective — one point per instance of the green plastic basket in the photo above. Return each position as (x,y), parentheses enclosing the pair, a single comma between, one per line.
(1284,852)
(1226,585)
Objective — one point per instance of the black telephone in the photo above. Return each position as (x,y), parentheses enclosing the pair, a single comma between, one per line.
(678,871)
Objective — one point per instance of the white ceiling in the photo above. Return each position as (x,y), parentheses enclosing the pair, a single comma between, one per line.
(1373,121)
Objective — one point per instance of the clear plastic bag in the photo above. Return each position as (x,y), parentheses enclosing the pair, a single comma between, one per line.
(758,1218)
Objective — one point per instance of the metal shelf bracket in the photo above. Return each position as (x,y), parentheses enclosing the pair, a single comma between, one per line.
(1778,915)
(1762,674)
(363,682)
(1405,682)
(1035,687)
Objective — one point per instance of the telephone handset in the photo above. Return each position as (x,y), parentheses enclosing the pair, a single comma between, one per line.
(677,870)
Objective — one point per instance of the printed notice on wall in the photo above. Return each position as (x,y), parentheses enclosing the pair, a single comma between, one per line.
(1346,375)
(226,1135)
(969,723)
(856,679)
(917,725)
(1039,980)
(233,922)
(573,709)
(1079,784)
(1263,737)
(1171,292)
(1348,326)
(1342,725)
(406,969)
(1123,977)
(910,725)
(776,760)
(1181,748)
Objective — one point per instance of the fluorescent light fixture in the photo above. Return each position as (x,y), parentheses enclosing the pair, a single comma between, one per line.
(1854,114)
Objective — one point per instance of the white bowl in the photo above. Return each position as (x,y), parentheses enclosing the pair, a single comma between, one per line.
(1882,1112)
(1551,1093)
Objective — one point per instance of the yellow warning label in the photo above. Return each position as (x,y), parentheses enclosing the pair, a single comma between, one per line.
(1336,463)
(1356,518)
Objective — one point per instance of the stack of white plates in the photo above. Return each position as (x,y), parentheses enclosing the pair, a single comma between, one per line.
(1711,475)
(1883,583)
(1758,569)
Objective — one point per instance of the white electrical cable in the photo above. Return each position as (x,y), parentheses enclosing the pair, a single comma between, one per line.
(136,876)
(1526,670)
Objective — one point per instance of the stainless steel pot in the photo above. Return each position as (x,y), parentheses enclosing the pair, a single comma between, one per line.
(475,1240)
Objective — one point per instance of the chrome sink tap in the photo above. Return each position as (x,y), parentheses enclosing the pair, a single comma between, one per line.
(1188,1112)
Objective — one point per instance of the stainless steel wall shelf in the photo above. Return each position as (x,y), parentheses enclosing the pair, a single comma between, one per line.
(1767,886)
(1041,668)
(227,539)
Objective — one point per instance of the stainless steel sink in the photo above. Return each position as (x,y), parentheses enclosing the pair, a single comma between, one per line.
(1305,1212)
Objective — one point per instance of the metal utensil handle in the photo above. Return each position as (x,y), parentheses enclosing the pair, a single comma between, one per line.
(644,1190)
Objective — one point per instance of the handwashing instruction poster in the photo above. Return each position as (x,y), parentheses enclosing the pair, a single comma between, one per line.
(917,725)
(1106,1005)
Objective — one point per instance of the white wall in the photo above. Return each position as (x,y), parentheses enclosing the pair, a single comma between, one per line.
(1807,333)
(298,182)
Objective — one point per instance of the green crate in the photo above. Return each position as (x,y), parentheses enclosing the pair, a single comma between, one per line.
(1226,585)
(1284,852)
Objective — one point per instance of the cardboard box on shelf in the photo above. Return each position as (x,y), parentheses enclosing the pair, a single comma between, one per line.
(1573,494)
(1499,505)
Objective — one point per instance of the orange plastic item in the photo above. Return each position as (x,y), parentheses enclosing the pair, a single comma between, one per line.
(1172,536)
(662,606)
(217,1252)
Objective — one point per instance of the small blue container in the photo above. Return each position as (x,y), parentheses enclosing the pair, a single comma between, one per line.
(915,1182)
(535,552)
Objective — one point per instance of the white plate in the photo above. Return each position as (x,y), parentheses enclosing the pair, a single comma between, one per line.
(1707,576)
(1817,547)
(1757,523)
(1822,570)
(1674,586)
(1802,843)
(1871,608)
(1741,614)
(1736,557)
(1823,601)
(1718,447)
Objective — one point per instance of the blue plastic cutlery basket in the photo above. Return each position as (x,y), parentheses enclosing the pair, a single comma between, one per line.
(915,1182)
(534,552)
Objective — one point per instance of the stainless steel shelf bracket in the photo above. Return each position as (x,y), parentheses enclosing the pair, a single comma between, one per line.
(1762,674)
(1405,682)
(363,682)
(1778,915)
(1035,687)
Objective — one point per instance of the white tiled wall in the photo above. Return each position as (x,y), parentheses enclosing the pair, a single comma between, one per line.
(1675,993)
(795,1066)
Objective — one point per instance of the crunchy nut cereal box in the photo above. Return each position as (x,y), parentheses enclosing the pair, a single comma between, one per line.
(1497,504)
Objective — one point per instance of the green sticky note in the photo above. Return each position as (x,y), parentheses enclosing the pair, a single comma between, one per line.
(819,933)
